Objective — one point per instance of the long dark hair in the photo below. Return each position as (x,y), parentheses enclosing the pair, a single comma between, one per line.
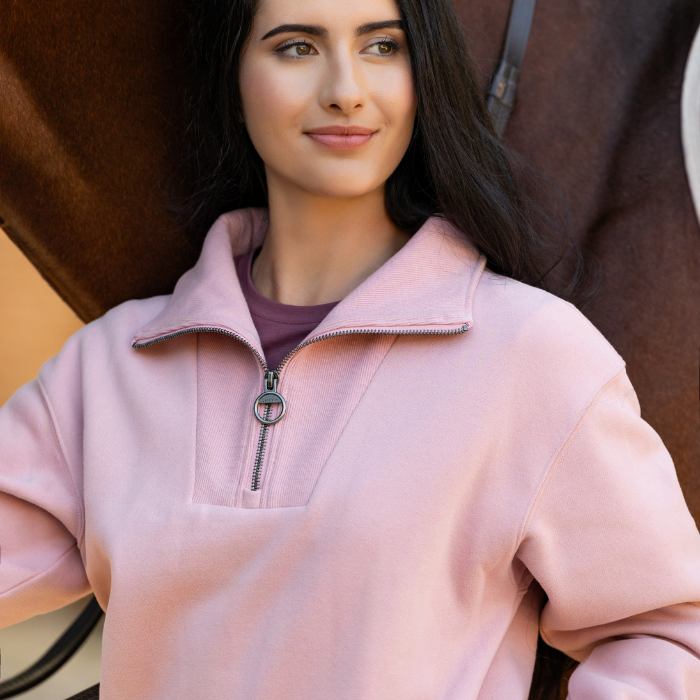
(455,167)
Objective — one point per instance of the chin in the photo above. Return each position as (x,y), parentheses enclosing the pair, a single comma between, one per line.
(342,185)
(343,192)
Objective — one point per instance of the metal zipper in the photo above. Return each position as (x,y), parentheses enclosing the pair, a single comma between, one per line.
(262,438)
(203,329)
(370,331)
(269,396)
(262,441)
(260,453)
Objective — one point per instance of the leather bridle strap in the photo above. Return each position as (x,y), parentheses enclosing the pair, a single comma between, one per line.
(504,84)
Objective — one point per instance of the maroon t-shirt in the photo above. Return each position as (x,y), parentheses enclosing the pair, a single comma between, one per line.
(281,327)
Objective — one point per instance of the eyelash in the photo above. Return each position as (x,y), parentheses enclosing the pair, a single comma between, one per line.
(294,42)
(282,48)
(387,41)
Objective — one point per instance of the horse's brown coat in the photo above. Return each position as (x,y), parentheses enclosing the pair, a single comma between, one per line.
(87,93)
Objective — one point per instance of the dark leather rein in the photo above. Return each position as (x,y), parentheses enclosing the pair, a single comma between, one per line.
(504,84)
(501,100)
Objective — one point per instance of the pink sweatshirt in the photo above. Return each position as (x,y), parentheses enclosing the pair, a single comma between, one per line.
(453,443)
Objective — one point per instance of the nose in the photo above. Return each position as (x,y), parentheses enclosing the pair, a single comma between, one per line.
(342,91)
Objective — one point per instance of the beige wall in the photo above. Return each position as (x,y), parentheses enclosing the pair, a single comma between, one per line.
(34,324)
(34,321)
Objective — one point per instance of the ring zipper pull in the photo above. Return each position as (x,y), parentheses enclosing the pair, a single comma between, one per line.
(269,398)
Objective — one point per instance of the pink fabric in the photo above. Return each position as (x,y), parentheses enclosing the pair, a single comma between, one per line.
(454,443)
(281,327)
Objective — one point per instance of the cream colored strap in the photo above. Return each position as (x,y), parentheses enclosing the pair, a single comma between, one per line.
(690,120)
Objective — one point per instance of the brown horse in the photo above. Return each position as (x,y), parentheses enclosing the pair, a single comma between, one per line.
(90,116)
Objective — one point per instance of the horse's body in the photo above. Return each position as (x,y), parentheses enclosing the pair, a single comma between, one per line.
(89,117)
(87,93)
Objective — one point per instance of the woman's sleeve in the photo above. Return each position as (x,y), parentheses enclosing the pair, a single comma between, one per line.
(41,515)
(610,540)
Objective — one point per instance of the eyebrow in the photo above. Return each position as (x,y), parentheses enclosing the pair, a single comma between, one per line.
(315,30)
(376,26)
(301,28)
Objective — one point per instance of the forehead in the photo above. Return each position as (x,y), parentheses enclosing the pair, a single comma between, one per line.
(338,15)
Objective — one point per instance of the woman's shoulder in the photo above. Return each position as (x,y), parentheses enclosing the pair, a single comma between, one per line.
(541,334)
(107,337)
(122,322)
(97,351)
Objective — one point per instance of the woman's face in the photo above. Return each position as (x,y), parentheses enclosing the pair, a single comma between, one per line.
(328,93)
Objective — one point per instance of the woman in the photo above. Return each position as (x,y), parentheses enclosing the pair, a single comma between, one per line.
(349,455)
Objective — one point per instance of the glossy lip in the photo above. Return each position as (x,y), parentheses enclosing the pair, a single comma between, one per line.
(341,138)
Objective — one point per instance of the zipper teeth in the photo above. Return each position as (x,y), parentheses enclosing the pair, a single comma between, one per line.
(354,331)
(203,329)
(370,331)
(262,439)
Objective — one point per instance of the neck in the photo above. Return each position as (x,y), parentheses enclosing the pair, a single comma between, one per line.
(318,249)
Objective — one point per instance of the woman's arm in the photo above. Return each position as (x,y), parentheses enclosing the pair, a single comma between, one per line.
(610,540)
(41,516)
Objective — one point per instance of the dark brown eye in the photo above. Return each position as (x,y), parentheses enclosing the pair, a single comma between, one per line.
(298,48)
(383,48)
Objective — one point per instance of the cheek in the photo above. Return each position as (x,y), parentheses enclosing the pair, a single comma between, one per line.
(395,97)
(273,102)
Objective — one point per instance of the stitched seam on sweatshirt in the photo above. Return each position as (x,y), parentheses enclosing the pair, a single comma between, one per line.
(347,423)
(473,284)
(59,443)
(40,573)
(559,454)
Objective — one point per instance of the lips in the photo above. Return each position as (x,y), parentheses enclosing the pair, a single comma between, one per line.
(341,138)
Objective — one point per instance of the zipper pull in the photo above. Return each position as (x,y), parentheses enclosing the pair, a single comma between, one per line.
(268,398)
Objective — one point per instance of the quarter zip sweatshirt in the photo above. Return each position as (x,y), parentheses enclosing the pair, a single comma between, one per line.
(454,444)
